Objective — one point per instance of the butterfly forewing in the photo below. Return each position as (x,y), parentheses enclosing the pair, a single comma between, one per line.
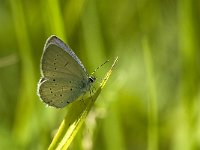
(57,61)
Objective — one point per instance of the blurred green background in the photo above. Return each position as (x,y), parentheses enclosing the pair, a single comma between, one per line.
(151,101)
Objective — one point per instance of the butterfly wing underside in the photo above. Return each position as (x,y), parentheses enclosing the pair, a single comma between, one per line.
(64,78)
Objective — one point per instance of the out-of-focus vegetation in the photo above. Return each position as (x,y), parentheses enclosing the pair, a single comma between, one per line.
(152,100)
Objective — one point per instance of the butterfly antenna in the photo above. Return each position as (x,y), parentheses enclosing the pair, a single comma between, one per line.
(99,67)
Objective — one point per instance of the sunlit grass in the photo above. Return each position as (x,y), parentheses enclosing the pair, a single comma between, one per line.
(75,117)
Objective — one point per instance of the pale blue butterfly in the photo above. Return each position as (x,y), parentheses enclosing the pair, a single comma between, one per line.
(64,78)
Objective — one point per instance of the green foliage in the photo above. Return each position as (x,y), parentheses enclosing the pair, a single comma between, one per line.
(152,99)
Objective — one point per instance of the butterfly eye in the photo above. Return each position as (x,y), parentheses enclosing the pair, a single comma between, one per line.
(91,79)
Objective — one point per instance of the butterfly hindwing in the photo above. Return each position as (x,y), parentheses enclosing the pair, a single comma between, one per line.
(59,92)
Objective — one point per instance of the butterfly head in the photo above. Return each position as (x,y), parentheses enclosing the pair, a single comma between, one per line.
(91,79)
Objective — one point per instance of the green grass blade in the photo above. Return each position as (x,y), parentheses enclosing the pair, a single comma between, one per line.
(152,99)
(75,117)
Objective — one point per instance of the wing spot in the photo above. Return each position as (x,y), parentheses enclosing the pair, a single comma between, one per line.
(55,68)
(70,81)
(55,59)
(67,102)
(60,95)
(71,89)
(54,80)
(54,64)
(51,92)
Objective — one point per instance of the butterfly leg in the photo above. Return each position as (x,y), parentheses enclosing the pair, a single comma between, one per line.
(82,98)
